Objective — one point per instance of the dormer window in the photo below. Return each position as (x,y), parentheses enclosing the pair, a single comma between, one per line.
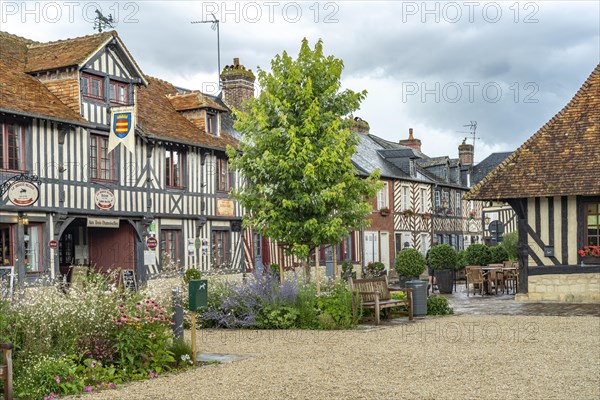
(212,123)
(119,93)
(92,86)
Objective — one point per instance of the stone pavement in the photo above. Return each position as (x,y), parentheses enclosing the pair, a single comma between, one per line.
(505,304)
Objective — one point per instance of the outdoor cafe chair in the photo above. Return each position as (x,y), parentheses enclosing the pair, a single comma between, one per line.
(475,278)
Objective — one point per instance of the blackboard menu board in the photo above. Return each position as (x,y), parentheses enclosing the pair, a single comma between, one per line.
(128,280)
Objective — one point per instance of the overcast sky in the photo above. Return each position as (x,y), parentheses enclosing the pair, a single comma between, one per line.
(432,66)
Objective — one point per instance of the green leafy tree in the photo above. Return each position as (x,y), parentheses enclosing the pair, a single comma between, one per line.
(302,188)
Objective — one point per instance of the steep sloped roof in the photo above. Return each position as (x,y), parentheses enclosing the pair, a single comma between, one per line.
(65,53)
(194,100)
(158,117)
(562,158)
(21,92)
(487,165)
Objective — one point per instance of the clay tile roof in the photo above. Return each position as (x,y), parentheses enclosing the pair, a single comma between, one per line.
(158,117)
(21,92)
(65,53)
(194,100)
(560,159)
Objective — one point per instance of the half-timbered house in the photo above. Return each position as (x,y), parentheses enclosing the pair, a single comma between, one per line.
(552,184)
(99,207)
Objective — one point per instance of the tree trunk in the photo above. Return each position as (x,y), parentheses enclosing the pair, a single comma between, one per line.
(336,273)
(317,273)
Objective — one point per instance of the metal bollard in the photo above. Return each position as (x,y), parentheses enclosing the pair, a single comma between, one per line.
(177,314)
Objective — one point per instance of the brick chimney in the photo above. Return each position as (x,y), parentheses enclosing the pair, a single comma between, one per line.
(411,141)
(238,84)
(359,125)
(466,153)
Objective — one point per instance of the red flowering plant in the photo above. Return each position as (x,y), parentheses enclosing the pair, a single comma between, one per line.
(593,251)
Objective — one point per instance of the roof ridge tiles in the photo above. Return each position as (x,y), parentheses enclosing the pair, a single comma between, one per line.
(86,37)
(474,193)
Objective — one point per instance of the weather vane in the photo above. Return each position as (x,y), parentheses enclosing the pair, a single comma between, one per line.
(101,22)
(215,26)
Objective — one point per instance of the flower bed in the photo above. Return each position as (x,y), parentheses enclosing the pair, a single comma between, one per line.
(69,341)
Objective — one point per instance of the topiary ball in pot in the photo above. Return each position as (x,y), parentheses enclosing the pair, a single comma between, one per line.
(410,263)
(478,254)
(442,259)
(442,256)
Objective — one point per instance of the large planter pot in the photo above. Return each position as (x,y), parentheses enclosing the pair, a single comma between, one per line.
(419,292)
(444,279)
(402,280)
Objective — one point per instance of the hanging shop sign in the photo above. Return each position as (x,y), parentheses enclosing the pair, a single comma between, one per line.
(225,207)
(23,193)
(105,199)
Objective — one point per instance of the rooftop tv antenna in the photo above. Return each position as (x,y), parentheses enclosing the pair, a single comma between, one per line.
(472,131)
(101,22)
(214,26)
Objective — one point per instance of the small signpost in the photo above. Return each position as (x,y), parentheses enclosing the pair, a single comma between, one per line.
(128,279)
(198,298)
(78,275)
(151,242)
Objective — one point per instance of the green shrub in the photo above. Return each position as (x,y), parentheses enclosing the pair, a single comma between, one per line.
(347,267)
(191,274)
(478,254)
(510,241)
(461,260)
(410,263)
(375,269)
(442,256)
(335,309)
(499,254)
(277,317)
(438,305)
(182,353)
(274,270)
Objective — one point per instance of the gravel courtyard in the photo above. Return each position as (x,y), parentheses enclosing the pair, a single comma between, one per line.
(455,357)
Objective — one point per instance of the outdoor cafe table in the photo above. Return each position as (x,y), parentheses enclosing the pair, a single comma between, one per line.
(486,270)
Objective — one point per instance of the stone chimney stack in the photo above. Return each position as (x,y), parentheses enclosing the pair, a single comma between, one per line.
(411,141)
(238,85)
(359,125)
(466,153)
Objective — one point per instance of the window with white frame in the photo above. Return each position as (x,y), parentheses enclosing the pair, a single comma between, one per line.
(423,200)
(437,200)
(383,197)
(405,197)
(458,205)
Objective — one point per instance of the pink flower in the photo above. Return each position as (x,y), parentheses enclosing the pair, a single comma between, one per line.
(88,388)
(111,385)
(57,379)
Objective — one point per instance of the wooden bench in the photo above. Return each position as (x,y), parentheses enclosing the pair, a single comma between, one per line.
(6,370)
(375,294)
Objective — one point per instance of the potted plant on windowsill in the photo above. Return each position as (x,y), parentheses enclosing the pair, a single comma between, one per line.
(408,212)
(443,260)
(385,211)
(426,215)
(590,255)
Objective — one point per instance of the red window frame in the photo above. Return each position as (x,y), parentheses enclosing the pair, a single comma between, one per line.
(174,171)
(223,181)
(86,89)
(170,245)
(7,243)
(212,123)
(220,245)
(99,157)
(113,92)
(12,155)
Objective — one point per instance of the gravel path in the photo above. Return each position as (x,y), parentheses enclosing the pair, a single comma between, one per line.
(456,357)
